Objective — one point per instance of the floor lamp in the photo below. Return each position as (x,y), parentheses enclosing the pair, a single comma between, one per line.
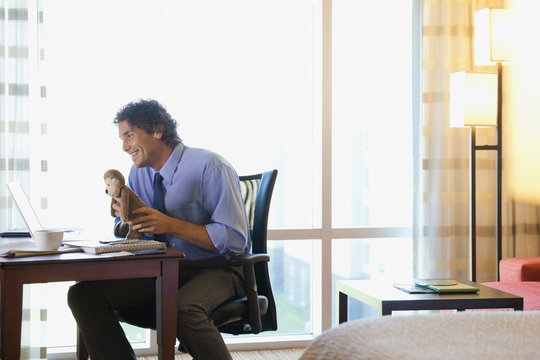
(493,39)
(474,103)
(476,100)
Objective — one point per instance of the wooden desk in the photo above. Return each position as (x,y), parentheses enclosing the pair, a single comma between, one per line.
(16,272)
(386,298)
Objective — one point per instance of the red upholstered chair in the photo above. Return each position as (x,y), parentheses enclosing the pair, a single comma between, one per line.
(521,277)
(528,290)
(519,269)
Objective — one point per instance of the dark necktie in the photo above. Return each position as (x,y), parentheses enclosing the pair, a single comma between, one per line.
(159,202)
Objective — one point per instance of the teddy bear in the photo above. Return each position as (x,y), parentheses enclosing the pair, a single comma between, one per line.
(115,186)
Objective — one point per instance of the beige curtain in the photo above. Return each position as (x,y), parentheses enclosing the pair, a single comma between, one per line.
(20,55)
(523,237)
(442,235)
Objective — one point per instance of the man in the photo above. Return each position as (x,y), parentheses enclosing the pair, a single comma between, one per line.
(204,217)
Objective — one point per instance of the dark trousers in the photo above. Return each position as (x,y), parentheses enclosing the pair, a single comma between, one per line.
(201,291)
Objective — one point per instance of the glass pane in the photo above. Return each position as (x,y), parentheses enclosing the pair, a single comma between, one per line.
(388,259)
(61,326)
(372,113)
(290,269)
(236,75)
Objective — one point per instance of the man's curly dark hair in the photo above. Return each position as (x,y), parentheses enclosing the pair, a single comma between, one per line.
(150,116)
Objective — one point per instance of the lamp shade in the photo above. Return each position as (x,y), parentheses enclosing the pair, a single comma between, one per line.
(473,99)
(493,36)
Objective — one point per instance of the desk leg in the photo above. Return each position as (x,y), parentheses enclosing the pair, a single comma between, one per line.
(343,308)
(166,312)
(11,297)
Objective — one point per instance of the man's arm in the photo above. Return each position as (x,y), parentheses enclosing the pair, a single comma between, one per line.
(121,229)
(225,231)
(158,223)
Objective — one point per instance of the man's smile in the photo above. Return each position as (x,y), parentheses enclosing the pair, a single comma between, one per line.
(134,153)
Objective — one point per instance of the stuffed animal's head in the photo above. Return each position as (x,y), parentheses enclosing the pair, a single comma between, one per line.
(114,181)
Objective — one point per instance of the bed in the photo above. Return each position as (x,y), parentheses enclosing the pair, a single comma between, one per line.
(455,335)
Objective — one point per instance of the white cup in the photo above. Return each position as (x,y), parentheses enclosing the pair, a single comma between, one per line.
(48,239)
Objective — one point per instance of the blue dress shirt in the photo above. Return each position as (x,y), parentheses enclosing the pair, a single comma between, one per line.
(201,187)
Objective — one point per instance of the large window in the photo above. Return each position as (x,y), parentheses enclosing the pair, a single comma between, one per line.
(244,78)
(371,113)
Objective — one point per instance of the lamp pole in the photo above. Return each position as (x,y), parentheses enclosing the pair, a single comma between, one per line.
(498,206)
(498,185)
(472,202)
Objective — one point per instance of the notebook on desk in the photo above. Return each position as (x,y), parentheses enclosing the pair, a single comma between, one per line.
(29,216)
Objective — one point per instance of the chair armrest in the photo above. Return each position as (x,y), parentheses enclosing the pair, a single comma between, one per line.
(248,262)
(248,259)
(252,296)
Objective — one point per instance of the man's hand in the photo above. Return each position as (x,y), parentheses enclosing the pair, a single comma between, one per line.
(151,221)
(156,222)
(116,206)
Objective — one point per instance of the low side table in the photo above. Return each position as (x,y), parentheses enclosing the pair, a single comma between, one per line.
(386,298)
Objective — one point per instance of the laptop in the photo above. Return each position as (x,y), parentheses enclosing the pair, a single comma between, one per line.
(29,215)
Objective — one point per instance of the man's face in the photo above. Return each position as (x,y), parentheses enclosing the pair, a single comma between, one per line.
(141,146)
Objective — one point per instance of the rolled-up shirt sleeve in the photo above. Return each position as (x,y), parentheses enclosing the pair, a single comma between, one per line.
(228,227)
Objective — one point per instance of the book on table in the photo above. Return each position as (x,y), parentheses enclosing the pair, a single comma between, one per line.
(446,286)
(133,246)
(411,288)
(28,248)
(436,286)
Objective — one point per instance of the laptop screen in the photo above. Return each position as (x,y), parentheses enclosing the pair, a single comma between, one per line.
(25,208)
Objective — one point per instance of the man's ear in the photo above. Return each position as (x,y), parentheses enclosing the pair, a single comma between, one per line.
(158,133)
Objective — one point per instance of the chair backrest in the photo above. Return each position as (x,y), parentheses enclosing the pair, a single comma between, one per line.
(257,194)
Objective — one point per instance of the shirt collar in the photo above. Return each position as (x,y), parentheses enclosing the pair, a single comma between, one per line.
(168,170)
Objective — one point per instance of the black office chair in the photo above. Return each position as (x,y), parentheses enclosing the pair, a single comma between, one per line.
(256,311)
(252,313)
